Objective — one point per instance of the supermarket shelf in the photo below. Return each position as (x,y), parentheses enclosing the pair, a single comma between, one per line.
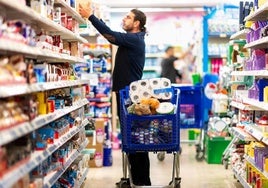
(13,133)
(154,55)
(53,177)
(241,134)
(70,11)
(219,35)
(243,106)
(35,52)
(241,179)
(265,140)
(20,89)
(252,162)
(36,158)
(240,34)
(18,11)
(250,73)
(259,15)
(259,104)
(254,131)
(101,99)
(151,68)
(82,179)
(258,44)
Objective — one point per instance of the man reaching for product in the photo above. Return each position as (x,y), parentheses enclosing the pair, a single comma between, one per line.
(128,67)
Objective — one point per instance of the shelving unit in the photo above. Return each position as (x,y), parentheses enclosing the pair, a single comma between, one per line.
(251,131)
(259,14)
(241,179)
(153,56)
(15,11)
(70,10)
(215,37)
(37,157)
(51,179)
(13,133)
(240,34)
(8,47)
(82,179)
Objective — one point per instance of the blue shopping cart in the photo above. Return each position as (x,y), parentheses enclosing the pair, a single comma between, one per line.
(149,133)
(191,116)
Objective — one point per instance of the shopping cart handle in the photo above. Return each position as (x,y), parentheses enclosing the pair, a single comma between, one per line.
(162,90)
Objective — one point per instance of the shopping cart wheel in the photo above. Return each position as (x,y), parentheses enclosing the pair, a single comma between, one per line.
(177,183)
(161,156)
(199,153)
(123,183)
(225,163)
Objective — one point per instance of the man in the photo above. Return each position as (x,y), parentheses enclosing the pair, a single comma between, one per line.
(168,64)
(168,69)
(129,64)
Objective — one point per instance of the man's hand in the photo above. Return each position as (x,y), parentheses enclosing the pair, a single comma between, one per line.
(85,11)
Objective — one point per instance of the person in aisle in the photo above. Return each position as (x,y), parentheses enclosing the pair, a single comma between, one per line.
(168,64)
(129,64)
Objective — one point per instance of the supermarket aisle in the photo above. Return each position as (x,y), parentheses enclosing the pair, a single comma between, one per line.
(194,174)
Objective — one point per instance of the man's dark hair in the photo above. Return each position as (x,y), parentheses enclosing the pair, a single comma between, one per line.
(140,16)
(168,48)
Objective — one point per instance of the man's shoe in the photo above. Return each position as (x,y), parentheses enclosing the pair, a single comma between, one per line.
(123,183)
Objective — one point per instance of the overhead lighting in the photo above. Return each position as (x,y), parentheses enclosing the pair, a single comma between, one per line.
(165,3)
(159,9)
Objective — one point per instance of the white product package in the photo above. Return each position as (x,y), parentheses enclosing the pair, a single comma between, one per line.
(146,88)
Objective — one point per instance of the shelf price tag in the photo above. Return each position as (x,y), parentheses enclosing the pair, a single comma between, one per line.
(28,127)
(39,121)
(265,140)
(46,154)
(29,166)
(52,148)
(38,158)
(64,139)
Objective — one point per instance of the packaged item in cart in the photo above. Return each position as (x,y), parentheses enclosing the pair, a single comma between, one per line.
(156,87)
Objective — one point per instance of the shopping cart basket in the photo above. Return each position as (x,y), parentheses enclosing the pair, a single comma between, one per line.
(191,116)
(150,133)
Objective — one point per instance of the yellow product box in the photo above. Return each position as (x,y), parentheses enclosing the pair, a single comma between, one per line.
(261,2)
(42,103)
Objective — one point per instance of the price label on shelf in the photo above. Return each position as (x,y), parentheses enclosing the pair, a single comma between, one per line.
(265,140)
(29,166)
(38,158)
(52,148)
(64,139)
(39,121)
(46,154)
(73,132)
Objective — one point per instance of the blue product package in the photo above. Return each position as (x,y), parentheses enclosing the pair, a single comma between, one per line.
(261,84)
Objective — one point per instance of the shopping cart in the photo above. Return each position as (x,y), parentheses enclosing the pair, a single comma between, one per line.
(191,117)
(151,133)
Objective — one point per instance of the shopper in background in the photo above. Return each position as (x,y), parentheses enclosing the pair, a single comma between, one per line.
(129,64)
(168,64)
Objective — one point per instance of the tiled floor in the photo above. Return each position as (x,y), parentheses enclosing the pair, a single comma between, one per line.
(194,174)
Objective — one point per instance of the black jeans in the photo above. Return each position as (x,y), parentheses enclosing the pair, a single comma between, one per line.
(139,162)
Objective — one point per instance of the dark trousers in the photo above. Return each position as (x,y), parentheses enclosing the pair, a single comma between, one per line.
(139,162)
